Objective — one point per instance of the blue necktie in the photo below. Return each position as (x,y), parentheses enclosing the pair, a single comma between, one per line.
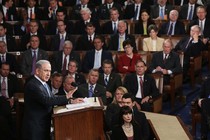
(191,13)
(106,80)
(90,92)
(161,13)
(136,12)
(115,28)
(47,88)
(170,29)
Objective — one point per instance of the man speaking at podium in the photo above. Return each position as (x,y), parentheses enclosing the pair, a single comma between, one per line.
(39,102)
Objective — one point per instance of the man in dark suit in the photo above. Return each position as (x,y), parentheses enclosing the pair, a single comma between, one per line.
(143,86)
(39,101)
(173,26)
(9,10)
(72,71)
(33,11)
(55,82)
(103,11)
(160,10)
(116,40)
(94,58)
(166,62)
(109,79)
(31,56)
(25,40)
(188,11)
(58,40)
(61,59)
(8,26)
(92,88)
(180,2)
(133,11)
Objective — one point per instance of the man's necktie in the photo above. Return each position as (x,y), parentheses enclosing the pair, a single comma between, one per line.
(190,15)
(62,40)
(121,44)
(3,87)
(47,88)
(187,45)
(106,80)
(31,14)
(90,92)
(3,58)
(165,58)
(170,29)
(97,60)
(54,15)
(64,65)
(136,12)
(90,39)
(141,86)
(7,15)
(109,6)
(33,63)
(161,13)
(115,28)
(201,26)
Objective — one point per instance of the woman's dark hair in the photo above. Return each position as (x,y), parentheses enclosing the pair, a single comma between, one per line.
(127,42)
(152,27)
(123,111)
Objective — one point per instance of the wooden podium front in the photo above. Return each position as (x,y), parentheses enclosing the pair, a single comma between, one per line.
(84,123)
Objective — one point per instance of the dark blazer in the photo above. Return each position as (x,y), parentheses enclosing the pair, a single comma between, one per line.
(154,13)
(99,91)
(26,39)
(130,10)
(12,13)
(83,43)
(11,60)
(114,41)
(149,85)
(107,28)
(38,13)
(178,2)
(139,29)
(38,109)
(55,42)
(26,63)
(9,28)
(178,30)
(88,61)
(11,44)
(57,60)
(184,11)
(46,12)
(80,79)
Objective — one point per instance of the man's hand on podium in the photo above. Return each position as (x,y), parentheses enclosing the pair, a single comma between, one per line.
(77,100)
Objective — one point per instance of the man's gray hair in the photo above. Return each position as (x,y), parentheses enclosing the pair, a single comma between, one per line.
(40,63)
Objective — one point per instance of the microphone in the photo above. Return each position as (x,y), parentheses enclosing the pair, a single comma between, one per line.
(74,84)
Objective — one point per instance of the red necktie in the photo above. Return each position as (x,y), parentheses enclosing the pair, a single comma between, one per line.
(141,85)
(64,65)
(3,87)
(7,16)
(31,14)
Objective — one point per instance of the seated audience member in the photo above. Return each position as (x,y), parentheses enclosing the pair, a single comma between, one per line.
(87,17)
(160,10)
(103,12)
(204,103)
(139,117)
(8,58)
(52,25)
(144,22)
(180,2)
(8,26)
(173,26)
(133,11)
(127,61)
(127,127)
(113,108)
(191,46)
(34,30)
(188,10)
(31,56)
(9,10)
(58,40)
(109,79)
(166,62)
(116,40)
(61,58)
(9,40)
(153,43)
(55,82)
(92,88)
(143,86)
(33,11)
(94,58)
(110,27)
(85,41)
(72,71)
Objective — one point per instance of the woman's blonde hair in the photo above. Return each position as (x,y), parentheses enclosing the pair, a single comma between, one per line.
(122,89)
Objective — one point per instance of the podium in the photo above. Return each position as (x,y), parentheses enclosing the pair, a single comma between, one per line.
(80,122)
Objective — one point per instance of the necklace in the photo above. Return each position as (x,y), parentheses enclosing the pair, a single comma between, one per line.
(128,128)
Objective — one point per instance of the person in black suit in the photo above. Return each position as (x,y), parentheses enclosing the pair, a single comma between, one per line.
(39,101)
(109,79)
(87,17)
(9,10)
(143,86)
(61,59)
(139,117)
(92,88)
(185,11)
(33,12)
(131,10)
(72,71)
(110,27)
(173,26)
(55,82)
(204,104)
(116,40)
(8,26)
(166,62)
(34,30)
(180,2)
(103,12)
(58,40)
(52,25)
(94,58)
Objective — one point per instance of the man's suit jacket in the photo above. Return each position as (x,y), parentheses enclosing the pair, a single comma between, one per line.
(184,11)
(12,13)
(83,43)
(58,59)
(130,10)
(55,41)
(27,59)
(46,12)
(11,60)
(113,83)
(154,13)
(9,28)
(89,59)
(149,85)
(80,79)
(139,29)
(11,44)
(38,109)
(99,91)
(26,39)
(178,2)
(114,41)
(178,30)
(38,13)
(107,28)
(147,44)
